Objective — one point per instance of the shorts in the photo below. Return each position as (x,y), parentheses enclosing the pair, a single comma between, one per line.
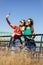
(30,45)
(15,42)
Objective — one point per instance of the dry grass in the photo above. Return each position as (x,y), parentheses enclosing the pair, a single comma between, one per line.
(8,58)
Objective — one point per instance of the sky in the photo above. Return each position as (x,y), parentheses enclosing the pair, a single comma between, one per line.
(21,9)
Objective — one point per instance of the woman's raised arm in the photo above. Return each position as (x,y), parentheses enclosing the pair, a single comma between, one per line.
(11,25)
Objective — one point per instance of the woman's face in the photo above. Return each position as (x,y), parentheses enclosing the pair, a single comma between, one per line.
(27,23)
(21,23)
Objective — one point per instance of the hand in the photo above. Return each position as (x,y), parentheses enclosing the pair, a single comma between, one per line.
(7,16)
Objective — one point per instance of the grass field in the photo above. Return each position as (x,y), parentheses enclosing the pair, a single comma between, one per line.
(9,58)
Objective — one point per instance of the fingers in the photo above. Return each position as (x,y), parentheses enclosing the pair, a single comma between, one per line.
(7,16)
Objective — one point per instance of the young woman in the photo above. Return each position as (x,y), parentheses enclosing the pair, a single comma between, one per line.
(17,30)
(29,31)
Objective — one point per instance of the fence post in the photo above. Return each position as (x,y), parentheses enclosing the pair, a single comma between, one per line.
(41,44)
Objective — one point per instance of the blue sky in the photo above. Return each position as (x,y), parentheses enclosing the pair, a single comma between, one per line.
(21,9)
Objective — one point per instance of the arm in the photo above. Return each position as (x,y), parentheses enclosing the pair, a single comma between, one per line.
(11,25)
(33,33)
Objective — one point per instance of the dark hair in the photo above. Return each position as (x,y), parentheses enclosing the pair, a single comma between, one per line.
(31,21)
(23,21)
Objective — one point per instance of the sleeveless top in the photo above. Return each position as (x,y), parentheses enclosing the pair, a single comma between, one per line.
(28,31)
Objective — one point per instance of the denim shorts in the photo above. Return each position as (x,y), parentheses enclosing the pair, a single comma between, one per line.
(30,45)
(16,42)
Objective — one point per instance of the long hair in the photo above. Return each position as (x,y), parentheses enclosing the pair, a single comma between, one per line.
(31,21)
